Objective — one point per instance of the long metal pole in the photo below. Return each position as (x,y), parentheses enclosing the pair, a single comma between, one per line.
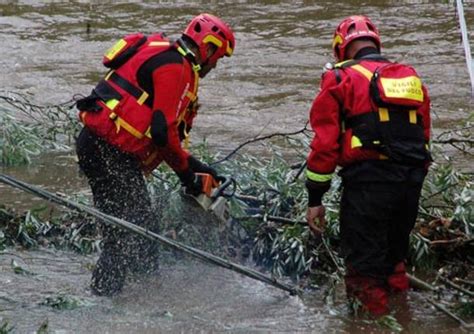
(146,233)
(467,46)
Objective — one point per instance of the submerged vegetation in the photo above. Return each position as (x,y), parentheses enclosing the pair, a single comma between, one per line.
(267,210)
(28,130)
(42,227)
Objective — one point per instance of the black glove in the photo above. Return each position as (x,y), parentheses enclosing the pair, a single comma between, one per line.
(191,182)
(89,103)
(199,167)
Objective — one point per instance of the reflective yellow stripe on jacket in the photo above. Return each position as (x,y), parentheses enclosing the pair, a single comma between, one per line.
(318,177)
(121,123)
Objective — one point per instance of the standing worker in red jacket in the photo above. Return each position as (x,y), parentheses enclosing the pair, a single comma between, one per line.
(135,118)
(372,118)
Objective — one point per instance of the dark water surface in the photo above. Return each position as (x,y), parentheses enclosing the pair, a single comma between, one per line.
(48,53)
(269,83)
(184,297)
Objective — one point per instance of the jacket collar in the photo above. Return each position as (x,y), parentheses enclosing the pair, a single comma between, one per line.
(368,53)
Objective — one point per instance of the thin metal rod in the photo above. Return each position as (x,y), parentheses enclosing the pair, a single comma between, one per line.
(204,256)
(465,40)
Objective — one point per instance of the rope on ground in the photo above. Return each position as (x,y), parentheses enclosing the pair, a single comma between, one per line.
(204,256)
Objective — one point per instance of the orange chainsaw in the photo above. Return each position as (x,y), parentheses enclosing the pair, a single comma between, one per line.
(213,197)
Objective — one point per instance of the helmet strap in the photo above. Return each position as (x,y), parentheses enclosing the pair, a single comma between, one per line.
(186,52)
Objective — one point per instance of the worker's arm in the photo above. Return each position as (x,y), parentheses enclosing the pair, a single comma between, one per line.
(170,82)
(322,159)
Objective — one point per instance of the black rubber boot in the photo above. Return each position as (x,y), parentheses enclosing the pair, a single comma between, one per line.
(107,279)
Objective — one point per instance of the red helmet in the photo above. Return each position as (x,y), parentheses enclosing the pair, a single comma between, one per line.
(351,28)
(206,28)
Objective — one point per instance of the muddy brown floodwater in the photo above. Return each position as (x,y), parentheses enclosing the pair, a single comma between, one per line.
(49,54)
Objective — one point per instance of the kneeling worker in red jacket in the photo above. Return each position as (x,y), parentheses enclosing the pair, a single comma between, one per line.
(135,118)
(372,118)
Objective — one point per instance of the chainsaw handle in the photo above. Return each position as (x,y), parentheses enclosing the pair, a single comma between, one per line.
(225,183)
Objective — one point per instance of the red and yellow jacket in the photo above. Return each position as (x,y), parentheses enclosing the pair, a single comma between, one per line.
(146,105)
(341,114)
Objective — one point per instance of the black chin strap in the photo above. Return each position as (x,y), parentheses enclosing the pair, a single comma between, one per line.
(186,52)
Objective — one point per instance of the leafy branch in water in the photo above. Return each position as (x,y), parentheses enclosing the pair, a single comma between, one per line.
(27,130)
(37,227)
(65,302)
(5,328)
(18,142)
(446,220)
(268,208)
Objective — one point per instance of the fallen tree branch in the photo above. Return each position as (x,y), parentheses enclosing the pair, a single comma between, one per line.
(273,218)
(227,157)
(420,284)
(449,313)
(459,240)
(455,286)
(463,281)
(339,269)
(454,141)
